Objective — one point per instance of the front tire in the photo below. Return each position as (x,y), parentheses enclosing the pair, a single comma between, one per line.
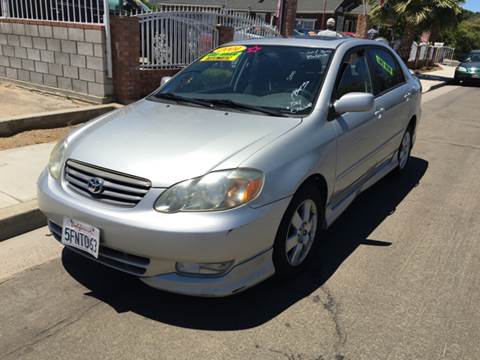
(298,232)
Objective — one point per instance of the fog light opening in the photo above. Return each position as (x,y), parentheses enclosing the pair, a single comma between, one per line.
(212,269)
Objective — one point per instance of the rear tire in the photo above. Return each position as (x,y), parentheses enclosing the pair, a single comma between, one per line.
(298,233)
(404,151)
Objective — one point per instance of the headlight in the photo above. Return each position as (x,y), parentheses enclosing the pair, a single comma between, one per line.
(56,158)
(462,69)
(219,190)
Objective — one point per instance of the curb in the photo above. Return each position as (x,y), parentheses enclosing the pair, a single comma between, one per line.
(53,119)
(18,219)
(437,86)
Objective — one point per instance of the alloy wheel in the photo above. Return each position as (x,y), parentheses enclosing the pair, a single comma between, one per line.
(301,232)
(404,153)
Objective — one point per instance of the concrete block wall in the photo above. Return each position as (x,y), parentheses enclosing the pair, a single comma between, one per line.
(64,57)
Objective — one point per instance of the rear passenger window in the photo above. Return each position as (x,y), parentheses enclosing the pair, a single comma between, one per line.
(355,75)
(386,71)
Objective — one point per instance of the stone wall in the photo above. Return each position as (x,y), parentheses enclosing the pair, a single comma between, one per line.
(56,56)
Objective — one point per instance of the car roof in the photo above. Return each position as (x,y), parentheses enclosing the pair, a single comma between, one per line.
(314,41)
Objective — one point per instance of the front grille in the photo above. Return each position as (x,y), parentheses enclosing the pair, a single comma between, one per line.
(118,189)
(132,264)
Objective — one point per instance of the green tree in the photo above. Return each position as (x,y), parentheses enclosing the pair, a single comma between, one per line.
(466,36)
(417,16)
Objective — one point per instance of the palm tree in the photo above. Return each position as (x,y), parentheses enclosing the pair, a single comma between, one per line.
(416,16)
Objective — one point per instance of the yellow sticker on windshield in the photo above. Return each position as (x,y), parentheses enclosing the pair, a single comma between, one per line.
(228,53)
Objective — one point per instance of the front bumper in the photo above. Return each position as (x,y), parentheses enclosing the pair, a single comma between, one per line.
(146,243)
(464,76)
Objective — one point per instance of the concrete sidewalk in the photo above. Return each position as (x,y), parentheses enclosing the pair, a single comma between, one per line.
(434,79)
(19,171)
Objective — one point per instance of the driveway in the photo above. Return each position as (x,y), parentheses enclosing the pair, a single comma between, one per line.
(396,278)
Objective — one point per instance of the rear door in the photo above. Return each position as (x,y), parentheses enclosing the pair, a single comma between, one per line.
(392,101)
(356,140)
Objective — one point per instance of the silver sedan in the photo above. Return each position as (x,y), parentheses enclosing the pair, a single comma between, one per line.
(227,173)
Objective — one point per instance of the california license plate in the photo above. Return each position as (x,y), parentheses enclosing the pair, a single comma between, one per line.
(81,236)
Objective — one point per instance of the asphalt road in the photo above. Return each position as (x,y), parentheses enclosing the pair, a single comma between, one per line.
(397,278)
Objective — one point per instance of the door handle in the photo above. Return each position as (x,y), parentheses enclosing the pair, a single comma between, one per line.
(379,113)
(407,96)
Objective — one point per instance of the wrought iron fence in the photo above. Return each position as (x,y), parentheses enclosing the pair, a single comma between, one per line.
(173,39)
(247,27)
(176,35)
(446,55)
(427,54)
(79,11)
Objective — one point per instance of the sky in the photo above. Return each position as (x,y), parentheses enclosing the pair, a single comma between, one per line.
(473,5)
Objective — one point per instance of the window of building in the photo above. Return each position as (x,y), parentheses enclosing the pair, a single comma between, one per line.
(305,24)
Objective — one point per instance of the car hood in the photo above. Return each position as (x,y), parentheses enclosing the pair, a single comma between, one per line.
(167,143)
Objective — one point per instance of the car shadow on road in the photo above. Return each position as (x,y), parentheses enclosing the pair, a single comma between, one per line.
(470,83)
(265,301)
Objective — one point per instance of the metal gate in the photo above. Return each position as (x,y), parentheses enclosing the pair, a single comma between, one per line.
(173,38)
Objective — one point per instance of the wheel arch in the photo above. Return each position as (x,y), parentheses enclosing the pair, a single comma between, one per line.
(318,181)
(412,124)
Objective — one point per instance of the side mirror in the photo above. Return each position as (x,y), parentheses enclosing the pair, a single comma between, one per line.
(164,80)
(354,102)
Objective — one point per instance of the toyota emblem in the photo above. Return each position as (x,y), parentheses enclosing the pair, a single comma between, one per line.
(95,185)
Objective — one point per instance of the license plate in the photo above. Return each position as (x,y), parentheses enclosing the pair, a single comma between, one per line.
(81,236)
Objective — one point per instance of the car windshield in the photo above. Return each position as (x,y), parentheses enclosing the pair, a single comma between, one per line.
(474,57)
(275,79)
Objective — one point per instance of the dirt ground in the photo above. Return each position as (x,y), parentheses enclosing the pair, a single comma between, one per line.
(34,137)
(16,100)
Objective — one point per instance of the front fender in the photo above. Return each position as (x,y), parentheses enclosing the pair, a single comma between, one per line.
(306,150)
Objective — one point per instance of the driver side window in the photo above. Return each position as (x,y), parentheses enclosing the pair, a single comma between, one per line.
(355,75)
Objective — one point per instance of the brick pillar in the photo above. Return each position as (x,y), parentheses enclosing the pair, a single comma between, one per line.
(125,57)
(289,14)
(225,34)
(362,26)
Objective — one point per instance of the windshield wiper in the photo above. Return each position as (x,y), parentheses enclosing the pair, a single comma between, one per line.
(236,105)
(179,99)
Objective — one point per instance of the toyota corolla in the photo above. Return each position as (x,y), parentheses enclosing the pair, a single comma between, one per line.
(227,173)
